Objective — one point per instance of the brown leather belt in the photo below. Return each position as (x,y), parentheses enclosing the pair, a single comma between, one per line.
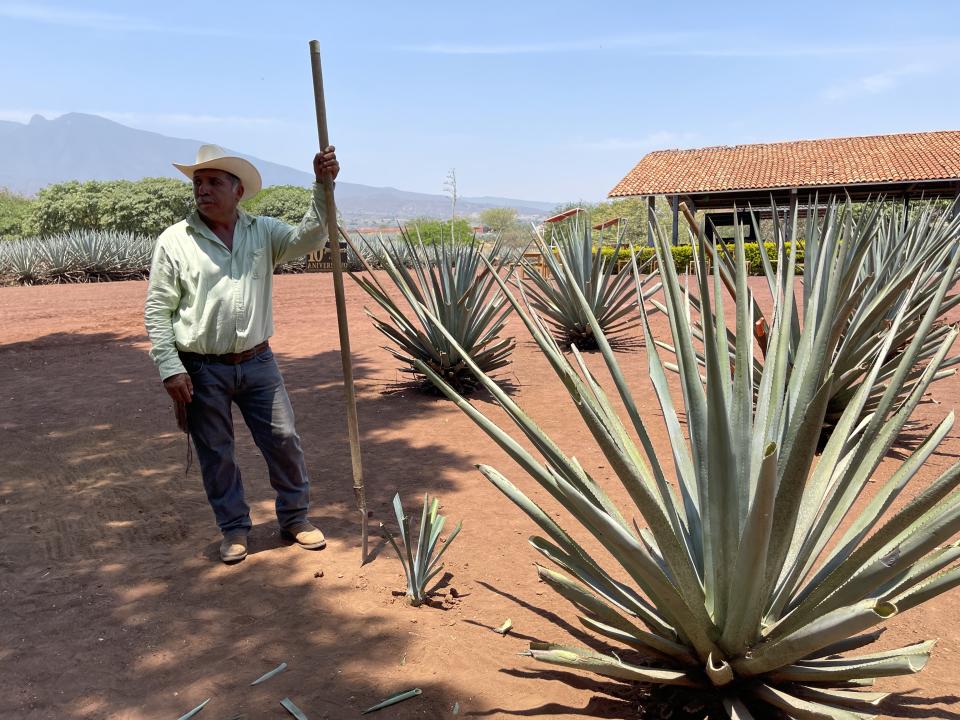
(229,358)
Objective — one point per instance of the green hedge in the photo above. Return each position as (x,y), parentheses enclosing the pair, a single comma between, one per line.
(683,255)
(145,207)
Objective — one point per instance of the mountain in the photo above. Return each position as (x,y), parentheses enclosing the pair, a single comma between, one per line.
(77,146)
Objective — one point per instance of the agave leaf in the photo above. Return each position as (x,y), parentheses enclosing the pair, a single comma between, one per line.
(746,601)
(196,710)
(613,592)
(292,708)
(870,516)
(267,675)
(940,583)
(607,621)
(802,709)
(583,659)
(845,698)
(904,661)
(736,710)
(824,630)
(847,645)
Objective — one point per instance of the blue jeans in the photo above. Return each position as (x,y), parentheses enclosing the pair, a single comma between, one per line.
(257,388)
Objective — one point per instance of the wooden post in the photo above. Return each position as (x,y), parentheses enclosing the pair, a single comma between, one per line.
(651,218)
(675,208)
(791,215)
(352,424)
(689,209)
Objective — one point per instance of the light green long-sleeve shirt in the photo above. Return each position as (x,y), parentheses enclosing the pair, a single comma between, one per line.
(203,298)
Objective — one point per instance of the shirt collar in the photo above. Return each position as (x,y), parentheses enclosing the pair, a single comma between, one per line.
(196,223)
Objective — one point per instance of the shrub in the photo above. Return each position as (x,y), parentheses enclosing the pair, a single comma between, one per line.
(431,231)
(145,206)
(15,216)
(683,255)
(284,202)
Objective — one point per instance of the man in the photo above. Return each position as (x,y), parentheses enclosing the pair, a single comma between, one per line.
(209,317)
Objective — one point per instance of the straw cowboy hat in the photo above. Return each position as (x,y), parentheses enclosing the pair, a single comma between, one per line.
(214,157)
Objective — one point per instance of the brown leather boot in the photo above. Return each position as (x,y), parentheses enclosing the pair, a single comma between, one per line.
(234,546)
(305,535)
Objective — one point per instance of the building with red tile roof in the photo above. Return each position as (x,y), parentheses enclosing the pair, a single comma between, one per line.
(903,166)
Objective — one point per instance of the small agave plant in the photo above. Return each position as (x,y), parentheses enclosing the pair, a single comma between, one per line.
(423,565)
(457,286)
(751,576)
(575,268)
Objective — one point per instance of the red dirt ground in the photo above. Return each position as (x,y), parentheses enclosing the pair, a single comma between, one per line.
(114,604)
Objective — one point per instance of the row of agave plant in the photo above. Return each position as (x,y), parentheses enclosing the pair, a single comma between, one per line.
(94,256)
(457,284)
(765,561)
(80,256)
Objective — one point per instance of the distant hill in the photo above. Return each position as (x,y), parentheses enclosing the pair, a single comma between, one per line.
(77,146)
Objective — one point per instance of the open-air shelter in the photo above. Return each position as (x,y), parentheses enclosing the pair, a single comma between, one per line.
(722,180)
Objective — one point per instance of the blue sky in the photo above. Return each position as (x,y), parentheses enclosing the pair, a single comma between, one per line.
(536,100)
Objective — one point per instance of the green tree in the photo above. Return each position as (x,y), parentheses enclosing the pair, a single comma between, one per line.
(143,206)
(147,206)
(67,206)
(285,202)
(498,219)
(633,215)
(432,231)
(15,220)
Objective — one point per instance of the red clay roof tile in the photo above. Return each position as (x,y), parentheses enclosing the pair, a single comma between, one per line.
(803,163)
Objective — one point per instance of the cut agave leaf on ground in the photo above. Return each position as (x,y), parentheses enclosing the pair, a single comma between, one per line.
(266,676)
(291,708)
(505,628)
(393,700)
(193,712)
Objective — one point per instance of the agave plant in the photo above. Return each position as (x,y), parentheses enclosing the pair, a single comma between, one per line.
(892,261)
(751,577)
(375,252)
(456,286)
(23,262)
(574,268)
(424,565)
(60,260)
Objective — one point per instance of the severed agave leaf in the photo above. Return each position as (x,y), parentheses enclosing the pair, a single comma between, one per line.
(266,676)
(193,712)
(291,708)
(393,700)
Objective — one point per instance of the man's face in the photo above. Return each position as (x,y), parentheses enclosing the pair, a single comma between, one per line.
(217,193)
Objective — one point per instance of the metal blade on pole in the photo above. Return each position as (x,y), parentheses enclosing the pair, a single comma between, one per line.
(352,426)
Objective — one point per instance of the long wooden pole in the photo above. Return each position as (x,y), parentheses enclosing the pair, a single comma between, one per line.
(352,425)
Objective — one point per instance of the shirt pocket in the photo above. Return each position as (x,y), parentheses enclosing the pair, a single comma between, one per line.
(258,263)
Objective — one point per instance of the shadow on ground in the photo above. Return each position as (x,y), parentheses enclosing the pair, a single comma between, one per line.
(114,603)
